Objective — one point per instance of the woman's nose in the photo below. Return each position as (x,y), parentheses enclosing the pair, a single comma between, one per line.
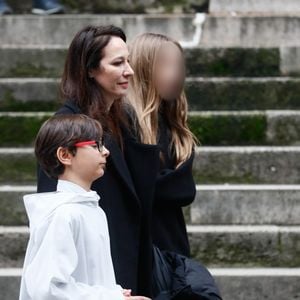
(128,71)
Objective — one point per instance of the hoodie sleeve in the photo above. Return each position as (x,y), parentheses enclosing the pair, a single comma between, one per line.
(52,261)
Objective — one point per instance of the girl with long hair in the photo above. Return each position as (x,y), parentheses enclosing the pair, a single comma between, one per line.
(157,95)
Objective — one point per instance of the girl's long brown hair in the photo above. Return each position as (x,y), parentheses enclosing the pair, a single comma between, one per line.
(84,55)
(145,99)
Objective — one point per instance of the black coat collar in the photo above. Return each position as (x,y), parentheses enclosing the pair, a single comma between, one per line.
(116,155)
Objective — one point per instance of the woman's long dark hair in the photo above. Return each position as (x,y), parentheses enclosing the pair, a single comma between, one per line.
(84,55)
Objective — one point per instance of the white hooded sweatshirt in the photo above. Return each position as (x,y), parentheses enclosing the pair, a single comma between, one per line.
(68,253)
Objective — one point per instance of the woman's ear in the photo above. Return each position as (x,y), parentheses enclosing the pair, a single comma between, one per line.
(64,156)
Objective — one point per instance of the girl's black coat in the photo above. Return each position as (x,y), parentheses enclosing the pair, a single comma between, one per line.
(126,192)
(175,188)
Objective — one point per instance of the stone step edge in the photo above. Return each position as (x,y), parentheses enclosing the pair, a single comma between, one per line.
(242,228)
(196,229)
(188,79)
(230,272)
(65,47)
(152,15)
(206,113)
(199,187)
(187,47)
(239,14)
(198,150)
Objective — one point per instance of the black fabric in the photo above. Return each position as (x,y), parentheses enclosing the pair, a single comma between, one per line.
(176,277)
(126,196)
(143,164)
(175,188)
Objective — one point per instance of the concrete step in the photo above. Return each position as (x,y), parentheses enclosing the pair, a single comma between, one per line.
(210,127)
(246,127)
(223,93)
(21,128)
(10,280)
(12,210)
(212,165)
(246,204)
(215,246)
(242,93)
(234,283)
(60,29)
(254,6)
(264,30)
(130,6)
(249,165)
(48,61)
(258,283)
(18,166)
(214,205)
(252,246)
(13,244)
(247,30)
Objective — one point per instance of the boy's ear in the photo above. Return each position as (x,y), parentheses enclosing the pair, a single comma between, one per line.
(64,156)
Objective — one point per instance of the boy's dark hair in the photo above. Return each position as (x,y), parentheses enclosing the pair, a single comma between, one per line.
(63,131)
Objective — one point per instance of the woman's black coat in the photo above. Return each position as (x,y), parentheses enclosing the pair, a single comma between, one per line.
(126,192)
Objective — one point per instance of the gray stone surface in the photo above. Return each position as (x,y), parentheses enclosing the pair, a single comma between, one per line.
(10,280)
(12,210)
(59,30)
(222,31)
(251,31)
(237,284)
(267,93)
(13,244)
(290,60)
(214,204)
(278,165)
(215,246)
(248,165)
(254,6)
(246,246)
(246,204)
(258,284)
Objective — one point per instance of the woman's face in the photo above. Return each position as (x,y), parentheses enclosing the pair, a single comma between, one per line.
(169,72)
(114,71)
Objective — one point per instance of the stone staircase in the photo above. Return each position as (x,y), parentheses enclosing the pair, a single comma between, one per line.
(244,95)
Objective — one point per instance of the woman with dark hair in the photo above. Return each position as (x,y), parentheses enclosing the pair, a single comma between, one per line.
(94,82)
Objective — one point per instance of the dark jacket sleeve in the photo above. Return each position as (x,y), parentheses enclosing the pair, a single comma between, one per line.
(176,187)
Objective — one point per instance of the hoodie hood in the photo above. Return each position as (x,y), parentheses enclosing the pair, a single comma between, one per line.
(40,206)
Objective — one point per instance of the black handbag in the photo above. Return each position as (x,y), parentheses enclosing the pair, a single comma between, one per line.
(176,277)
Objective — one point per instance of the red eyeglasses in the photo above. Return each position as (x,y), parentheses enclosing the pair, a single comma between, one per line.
(98,144)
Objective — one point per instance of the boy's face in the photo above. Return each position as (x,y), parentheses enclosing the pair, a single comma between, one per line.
(88,163)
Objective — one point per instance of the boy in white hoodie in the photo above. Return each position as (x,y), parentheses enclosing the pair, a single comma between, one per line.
(68,254)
